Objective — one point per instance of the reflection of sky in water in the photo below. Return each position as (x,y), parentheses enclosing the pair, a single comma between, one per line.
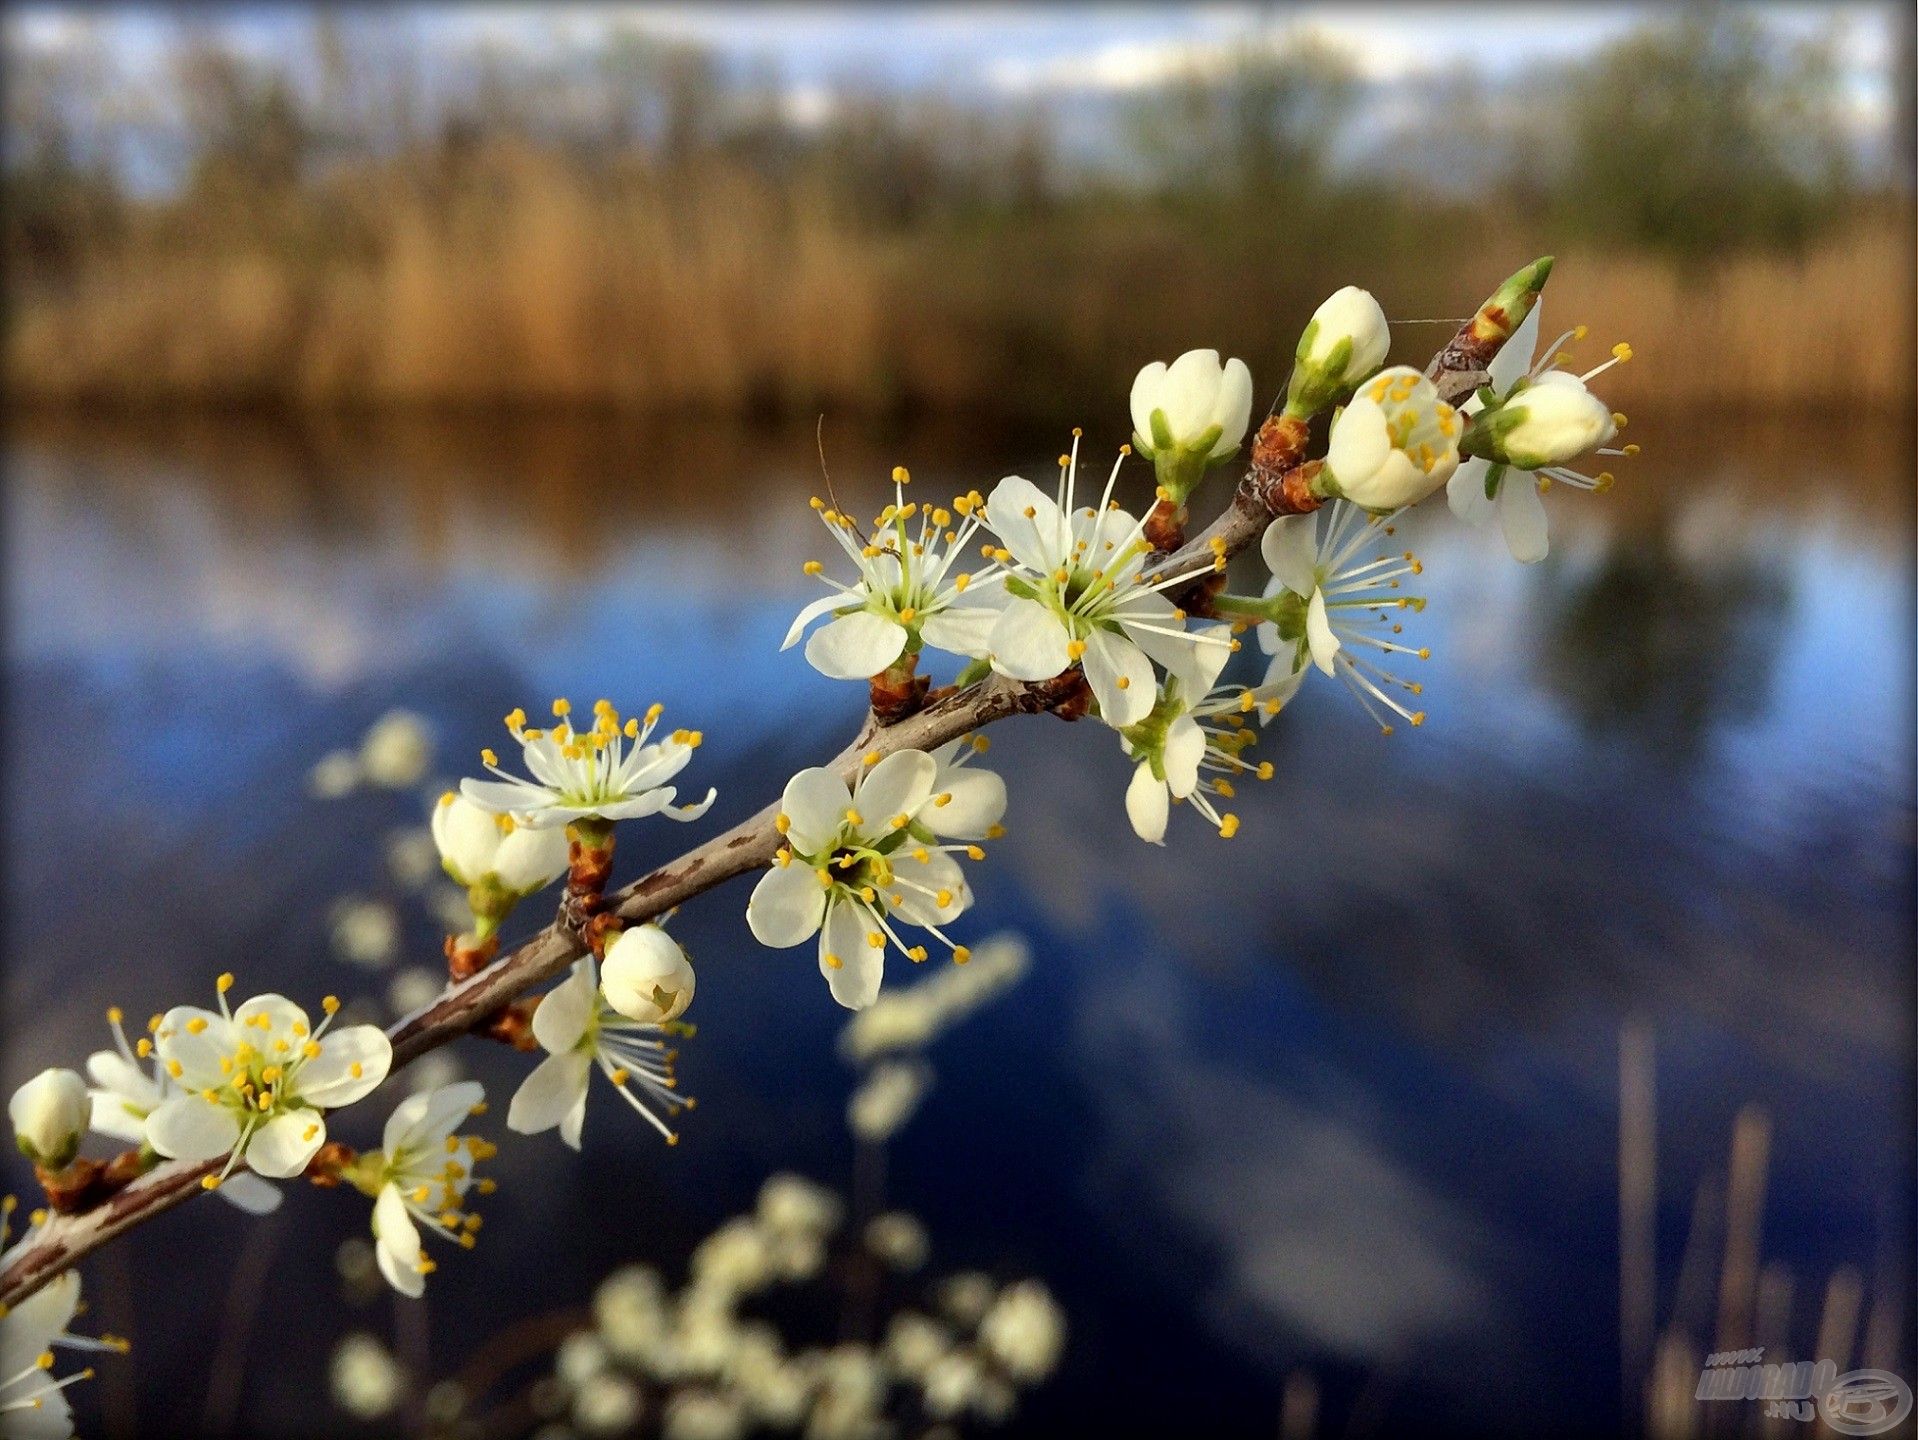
(1354,1112)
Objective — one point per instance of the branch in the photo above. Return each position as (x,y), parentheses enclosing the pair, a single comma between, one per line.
(750,845)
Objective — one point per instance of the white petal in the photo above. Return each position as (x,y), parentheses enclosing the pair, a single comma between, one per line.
(856,646)
(191,1127)
(249,1193)
(1191,387)
(1290,546)
(351,1064)
(1036,540)
(549,1095)
(1232,410)
(898,784)
(814,803)
(1318,633)
(978,803)
(854,981)
(561,1017)
(1029,642)
(939,873)
(1514,357)
(1465,492)
(961,630)
(1147,804)
(1110,659)
(197,1054)
(1282,680)
(271,1015)
(1147,388)
(280,1148)
(32,1324)
(530,859)
(426,1119)
(787,906)
(467,837)
(1521,515)
(1184,749)
(1359,445)
(398,1249)
(810,612)
(505,797)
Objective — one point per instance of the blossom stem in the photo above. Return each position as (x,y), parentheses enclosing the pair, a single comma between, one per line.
(897,691)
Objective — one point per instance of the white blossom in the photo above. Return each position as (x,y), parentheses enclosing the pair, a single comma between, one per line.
(793,1204)
(1394,444)
(703,1415)
(910,1017)
(366,1381)
(1540,418)
(886,1100)
(1078,594)
(581,1032)
(914,1343)
(607,1404)
(898,1239)
(419,1177)
(33,1405)
(909,592)
(49,1115)
(1191,749)
(123,1094)
(365,932)
(1025,1331)
(859,862)
(396,750)
(1190,415)
(589,774)
(1335,603)
(255,1082)
(647,977)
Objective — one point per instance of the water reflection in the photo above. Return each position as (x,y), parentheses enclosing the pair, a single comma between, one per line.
(1350,1109)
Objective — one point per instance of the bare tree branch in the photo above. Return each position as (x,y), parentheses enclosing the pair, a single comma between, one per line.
(751,844)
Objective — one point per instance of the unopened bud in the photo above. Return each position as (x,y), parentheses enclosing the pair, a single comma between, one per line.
(1190,416)
(1551,421)
(49,1115)
(1344,343)
(646,976)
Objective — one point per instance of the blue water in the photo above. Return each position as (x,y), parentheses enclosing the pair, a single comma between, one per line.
(1337,1096)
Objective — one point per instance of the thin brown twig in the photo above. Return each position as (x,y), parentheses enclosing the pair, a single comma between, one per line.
(750,845)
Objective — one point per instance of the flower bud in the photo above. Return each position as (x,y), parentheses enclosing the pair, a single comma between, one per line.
(477,847)
(49,1115)
(1190,416)
(1344,342)
(1551,421)
(646,976)
(1394,444)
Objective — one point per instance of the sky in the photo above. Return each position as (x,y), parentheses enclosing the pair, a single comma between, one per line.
(1015,52)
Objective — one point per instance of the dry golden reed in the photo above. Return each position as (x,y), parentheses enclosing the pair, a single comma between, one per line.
(521,280)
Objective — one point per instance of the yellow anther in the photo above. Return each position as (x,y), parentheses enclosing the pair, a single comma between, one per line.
(960,954)
(908,613)
(207,1182)
(196,1025)
(853,818)
(833,962)
(944,899)
(620,1076)
(1631,449)
(224,983)
(1228,827)
(562,707)
(174,1068)
(871,757)
(143,1047)
(1125,682)
(975,852)
(356,1070)
(1075,648)
(901,476)
(330,1004)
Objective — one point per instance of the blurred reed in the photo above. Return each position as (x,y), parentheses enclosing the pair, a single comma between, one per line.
(1755,1298)
(526,281)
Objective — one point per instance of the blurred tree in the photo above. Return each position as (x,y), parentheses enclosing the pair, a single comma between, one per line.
(1262,125)
(1699,132)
